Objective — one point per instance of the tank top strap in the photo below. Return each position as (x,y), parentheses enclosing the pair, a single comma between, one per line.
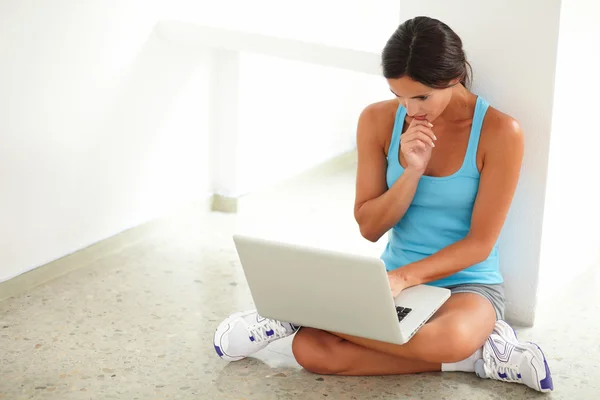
(481,108)
(394,149)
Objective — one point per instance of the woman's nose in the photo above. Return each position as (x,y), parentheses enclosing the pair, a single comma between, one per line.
(411,108)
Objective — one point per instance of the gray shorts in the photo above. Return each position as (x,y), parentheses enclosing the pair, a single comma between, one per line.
(494,293)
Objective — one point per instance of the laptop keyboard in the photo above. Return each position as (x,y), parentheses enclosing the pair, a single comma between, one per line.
(402,312)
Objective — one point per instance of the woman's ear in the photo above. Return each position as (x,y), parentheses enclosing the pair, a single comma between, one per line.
(454,82)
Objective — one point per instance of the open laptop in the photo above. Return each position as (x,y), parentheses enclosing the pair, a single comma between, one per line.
(333,291)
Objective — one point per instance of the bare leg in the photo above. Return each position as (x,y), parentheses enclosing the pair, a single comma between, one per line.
(459,328)
(324,353)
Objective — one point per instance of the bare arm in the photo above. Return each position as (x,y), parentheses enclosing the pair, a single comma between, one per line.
(376,208)
(498,181)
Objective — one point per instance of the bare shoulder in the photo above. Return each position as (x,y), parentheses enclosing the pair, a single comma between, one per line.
(500,133)
(376,122)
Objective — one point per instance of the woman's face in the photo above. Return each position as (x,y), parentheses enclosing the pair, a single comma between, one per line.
(420,101)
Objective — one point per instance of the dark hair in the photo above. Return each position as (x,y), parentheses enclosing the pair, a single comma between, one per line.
(427,51)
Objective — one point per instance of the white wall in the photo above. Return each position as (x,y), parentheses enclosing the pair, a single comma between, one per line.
(99,126)
(306,111)
(355,24)
(571,238)
(512,48)
(103,125)
(309,114)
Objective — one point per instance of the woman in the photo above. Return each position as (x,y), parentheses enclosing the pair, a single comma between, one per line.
(438,167)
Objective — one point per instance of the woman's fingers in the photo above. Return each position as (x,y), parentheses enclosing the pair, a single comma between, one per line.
(420,136)
(420,128)
(416,144)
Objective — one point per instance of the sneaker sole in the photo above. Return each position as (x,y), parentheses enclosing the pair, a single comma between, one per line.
(221,330)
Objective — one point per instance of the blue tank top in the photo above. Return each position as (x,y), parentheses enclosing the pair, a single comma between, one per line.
(440,213)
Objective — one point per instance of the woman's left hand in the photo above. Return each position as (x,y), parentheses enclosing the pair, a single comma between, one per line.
(397,284)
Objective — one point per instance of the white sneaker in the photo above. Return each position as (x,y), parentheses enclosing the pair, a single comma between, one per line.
(245,333)
(506,331)
(506,359)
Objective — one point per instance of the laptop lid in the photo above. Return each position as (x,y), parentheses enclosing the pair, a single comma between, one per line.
(323,289)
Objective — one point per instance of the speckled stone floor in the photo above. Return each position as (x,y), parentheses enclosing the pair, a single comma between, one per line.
(137,322)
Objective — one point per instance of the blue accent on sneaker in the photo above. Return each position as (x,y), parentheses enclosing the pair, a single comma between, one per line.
(519,376)
(219,352)
(502,376)
(252,338)
(546,383)
(270,333)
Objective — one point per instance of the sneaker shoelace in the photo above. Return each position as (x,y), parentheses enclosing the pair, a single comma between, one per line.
(260,332)
(507,372)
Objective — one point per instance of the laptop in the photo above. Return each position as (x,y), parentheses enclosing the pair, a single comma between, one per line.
(333,291)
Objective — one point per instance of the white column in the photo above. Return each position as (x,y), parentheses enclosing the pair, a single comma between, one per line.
(512,46)
(225,131)
(571,233)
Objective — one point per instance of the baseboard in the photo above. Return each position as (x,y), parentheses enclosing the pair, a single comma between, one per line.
(225,204)
(84,257)
(338,163)
(229,204)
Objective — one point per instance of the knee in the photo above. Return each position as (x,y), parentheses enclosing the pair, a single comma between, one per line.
(462,342)
(314,353)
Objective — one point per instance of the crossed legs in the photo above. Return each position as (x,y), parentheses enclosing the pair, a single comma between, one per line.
(455,332)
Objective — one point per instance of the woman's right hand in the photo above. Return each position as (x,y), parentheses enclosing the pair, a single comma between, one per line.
(417,143)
